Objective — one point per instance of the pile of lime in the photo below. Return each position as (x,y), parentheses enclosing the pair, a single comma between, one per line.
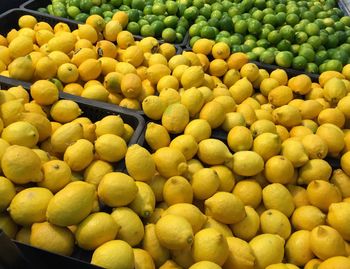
(305,35)
(168,20)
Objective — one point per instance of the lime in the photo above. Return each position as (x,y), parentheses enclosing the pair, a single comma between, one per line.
(224,39)
(171,21)
(287,32)
(311,68)
(334,65)
(254,26)
(171,7)
(73,11)
(281,18)
(284,58)
(330,30)
(183,22)
(82,17)
(217,14)
(315,42)
(236,18)
(328,22)
(150,18)
(147,10)
(208,32)
(345,20)
(233,11)
(274,37)
(43,10)
(127,3)
(312,29)
(108,14)
(193,40)
(281,7)
(284,44)
(307,53)
(341,35)
(147,30)
(258,50)
(158,27)
(116,3)
(124,8)
(301,37)
(251,43)
(217,6)
(213,22)
(226,24)
(267,57)
(258,15)
(263,43)
(295,49)
(134,28)
(169,35)
(191,13)
(107,7)
(270,4)
(252,56)
(142,22)
(198,3)
(345,47)
(332,41)
(309,15)
(235,48)
(264,33)
(270,19)
(182,30)
(194,30)
(341,55)
(138,4)
(235,40)
(339,26)
(247,5)
(250,37)
(158,9)
(96,10)
(245,48)
(226,5)
(260,4)
(133,15)
(299,63)
(241,27)
(205,11)
(299,27)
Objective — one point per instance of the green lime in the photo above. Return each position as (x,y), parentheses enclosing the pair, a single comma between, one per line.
(260,4)
(134,28)
(74,3)
(308,15)
(59,11)
(247,5)
(287,32)
(345,20)
(81,17)
(158,27)
(284,45)
(270,4)
(150,18)
(73,11)
(251,43)
(194,30)
(124,8)
(299,63)
(292,19)
(193,40)
(299,27)
(142,22)
(147,30)
(207,32)
(116,3)
(217,6)
(205,11)
(226,5)
(254,27)
(312,29)
(171,21)
(43,10)
(158,9)
(307,53)
(191,13)
(332,41)
(133,15)
(226,24)
(224,39)
(295,49)
(322,68)
(281,7)
(169,35)
(127,3)
(250,37)
(252,56)
(235,40)
(217,14)
(264,33)
(241,27)
(258,15)
(274,37)
(183,22)
(213,22)
(236,48)
(236,18)
(341,36)
(201,24)
(284,58)
(345,47)
(315,42)
(281,18)
(267,57)
(335,65)
(263,43)
(107,19)
(225,33)
(258,50)
(179,38)
(96,10)
(138,4)
(171,7)
(330,30)
(180,29)
(108,14)
(339,26)
(301,37)
(341,55)
(311,68)
(328,22)
(270,19)
(233,11)
(198,3)
(107,7)
(245,48)
(147,10)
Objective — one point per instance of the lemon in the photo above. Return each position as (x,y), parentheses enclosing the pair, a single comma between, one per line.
(139,163)
(322,194)
(250,71)
(23,235)
(275,222)
(117,189)
(175,118)
(41,124)
(143,260)
(272,198)
(157,184)
(68,73)
(241,90)
(177,189)
(65,111)
(5,55)
(341,180)
(154,107)
(298,249)
(279,169)
(336,262)
(8,226)
(268,249)
(334,90)
(247,228)
(186,144)
(45,68)
(21,133)
(156,136)
(233,119)
(29,206)
(90,69)
(287,115)
(86,31)
(213,152)
(114,254)
(299,195)
(111,124)
(203,45)
(20,46)
(262,126)
(193,100)
(210,245)
(204,265)
(280,96)
(193,166)
(267,145)
(248,113)
(307,217)
(227,102)
(169,96)
(249,192)
(205,182)
(131,85)
(97,229)
(199,129)
(79,154)
(326,242)
(110,147)
(344,163)
(192,77)
(96,170)
(337,217)
(7,191)
(315,146)
(218,67)
(240,254)
(225,207)
(343,105)
(247,163)
(316,169)
(82,55)
(152,245)
(108,65)
(111,30)
(63,42)
(21,165)
(222,228)
(226,177)
(157,58)
(71,196)
(170,162)
(65,135)
(52,238)
(27,21)
(112,82)
(331,115)
(21,68)
(57,174)
(144,202)
(44,92)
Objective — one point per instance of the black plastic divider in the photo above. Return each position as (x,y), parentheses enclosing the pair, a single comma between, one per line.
(33,5)
(10,4)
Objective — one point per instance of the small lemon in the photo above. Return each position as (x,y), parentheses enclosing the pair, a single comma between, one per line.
(96,170)
(213,152)
(65,111)
(186,144)
(20,46)
(267,145)
(275,222)
(287,115)
(79,154)
(233,119)
(315,146)
(52,238)
(21,133)
(67,73)
(90,69)
(205,182)
(220,227)
(157,184)
(145,200)
(247,163)
(7,192)
(8,226)
(155,72)
(268,249)
(227,179)
(112,29)
(156,136)
(210,245)
(199,128)
(66,134)
(241,90)
(131,85)
(143,259)
(326,242)
(298,249)
(220,51)
(331,115)
(337,217)
(333,136)
(176,190)
(175,118)
(193,99)
(204,265)
(336,262)
(154,107)
(322,194)
(239,138)
(57,174)
(315,169)
(248,113)
(299,195)
(114,254)
(27,21)
(249,192)
(334,90)
(272,198)
(169,96)
(247,228)
(240,254)
(279,169)
(44,92)
(23,235)
(110,147)
(341,180)
(117,189)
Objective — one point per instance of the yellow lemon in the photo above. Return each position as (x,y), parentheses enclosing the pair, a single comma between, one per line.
(110,147)
(247,163)
(203,45)
(156,136)
(145,200)
(7,191)
(57,174)
(143,259)
(247,228)
(240,254)
(316,169)
(125,39)
(205,183)
(90,69)
(44,92)
(237,60)
(275,222)
(175,118)
(68,73)
(21,133)
(65,111)
(186,144)
(199,128)
(66,134)
(153,106)
(307,217)
(337,217)
(336,262)
(21,68)
(272,195)
(213,152)
(249,192)
(111,30)
(131,85)
(170,162)
(298,249)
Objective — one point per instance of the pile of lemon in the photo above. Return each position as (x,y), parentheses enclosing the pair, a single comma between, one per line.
(267,198)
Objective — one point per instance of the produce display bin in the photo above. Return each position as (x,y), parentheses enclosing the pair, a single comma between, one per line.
(10,4)
(33,5)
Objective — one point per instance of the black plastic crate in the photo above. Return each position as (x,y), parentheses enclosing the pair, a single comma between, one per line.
(10,4)
(35,4)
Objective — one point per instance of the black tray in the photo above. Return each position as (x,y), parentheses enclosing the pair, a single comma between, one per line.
(10,4)
(35,4)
